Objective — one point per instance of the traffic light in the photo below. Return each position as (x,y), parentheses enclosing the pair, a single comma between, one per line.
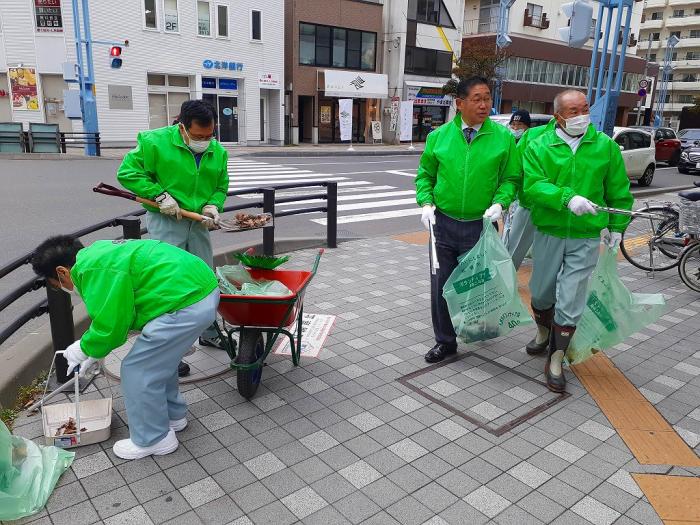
(580,14)
(115,54)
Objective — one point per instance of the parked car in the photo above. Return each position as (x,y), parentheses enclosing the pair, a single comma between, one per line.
(690,160)
(638,152)
(537,119)
(688,136)
(668,145)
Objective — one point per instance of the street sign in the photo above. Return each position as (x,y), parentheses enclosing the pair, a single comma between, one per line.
(643,83)
(642,92)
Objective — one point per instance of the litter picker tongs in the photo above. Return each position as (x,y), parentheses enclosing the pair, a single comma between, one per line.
(434,264)
(632,213)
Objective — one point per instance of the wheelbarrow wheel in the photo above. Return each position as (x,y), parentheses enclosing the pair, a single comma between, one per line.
(250,347)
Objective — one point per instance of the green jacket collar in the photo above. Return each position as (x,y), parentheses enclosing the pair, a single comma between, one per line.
(486,127)
(590,135)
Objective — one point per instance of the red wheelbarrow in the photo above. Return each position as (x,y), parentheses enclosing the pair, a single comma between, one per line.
(252,316)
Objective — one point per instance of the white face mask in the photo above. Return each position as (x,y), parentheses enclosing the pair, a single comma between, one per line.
(517,133)
(73,293)
(577,126)
(197,146)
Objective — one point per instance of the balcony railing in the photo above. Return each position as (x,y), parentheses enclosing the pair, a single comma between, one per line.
(539,21)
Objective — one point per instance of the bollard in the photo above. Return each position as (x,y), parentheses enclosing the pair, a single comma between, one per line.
(332,214)
(62,328)
(131,227)
(269,231)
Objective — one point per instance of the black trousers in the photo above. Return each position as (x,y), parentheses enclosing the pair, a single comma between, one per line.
(452,239)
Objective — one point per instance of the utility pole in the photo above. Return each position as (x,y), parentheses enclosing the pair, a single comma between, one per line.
(502,41)
(646,71)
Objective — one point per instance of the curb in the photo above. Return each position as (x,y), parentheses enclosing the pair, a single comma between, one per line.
(658,191)
(326,153)
(48,156)
(21,362)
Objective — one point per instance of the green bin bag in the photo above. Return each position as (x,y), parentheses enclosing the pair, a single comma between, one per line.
(482,292)
(612,312)
(28,474)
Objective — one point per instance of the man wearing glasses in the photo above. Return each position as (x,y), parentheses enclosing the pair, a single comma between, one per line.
(469,170)
(181,167)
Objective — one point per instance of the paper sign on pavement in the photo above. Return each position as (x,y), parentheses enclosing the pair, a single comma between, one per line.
(314,331)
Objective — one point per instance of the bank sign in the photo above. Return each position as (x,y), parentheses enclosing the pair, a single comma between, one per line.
(428,96)
(222,64)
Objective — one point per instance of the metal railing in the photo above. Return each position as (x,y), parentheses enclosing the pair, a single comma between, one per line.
(58,304)
(26,141)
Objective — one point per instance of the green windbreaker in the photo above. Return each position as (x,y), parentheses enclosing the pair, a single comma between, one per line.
(126,284)
(162,162)
(462,180)
(530,135)
(553,175)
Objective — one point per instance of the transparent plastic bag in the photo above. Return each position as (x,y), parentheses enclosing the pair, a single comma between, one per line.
(28,474)
(482,292)
(236,280)
(263,287)
(612,312)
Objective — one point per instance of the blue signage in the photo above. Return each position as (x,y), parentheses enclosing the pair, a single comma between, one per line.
(228,83)
(222,64)
(208,83)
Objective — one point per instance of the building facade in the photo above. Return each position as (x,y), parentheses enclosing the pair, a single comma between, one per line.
(663,19)
(331,53)
(227,53)
(539,64)
(422,41)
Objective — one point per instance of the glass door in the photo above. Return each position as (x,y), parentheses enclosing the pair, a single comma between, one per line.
(228,119)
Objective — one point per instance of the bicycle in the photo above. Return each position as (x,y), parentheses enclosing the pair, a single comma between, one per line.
(664,236)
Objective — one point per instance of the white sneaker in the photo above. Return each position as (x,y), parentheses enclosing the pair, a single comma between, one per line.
(127,449)
(178,424)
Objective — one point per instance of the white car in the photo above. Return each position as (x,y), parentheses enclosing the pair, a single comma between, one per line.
(639,153)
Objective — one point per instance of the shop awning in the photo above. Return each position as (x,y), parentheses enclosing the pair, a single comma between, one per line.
(355,84)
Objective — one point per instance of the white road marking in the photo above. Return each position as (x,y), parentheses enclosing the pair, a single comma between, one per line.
(376,216)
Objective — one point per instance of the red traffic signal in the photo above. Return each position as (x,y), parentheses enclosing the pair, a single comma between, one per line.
(115,51)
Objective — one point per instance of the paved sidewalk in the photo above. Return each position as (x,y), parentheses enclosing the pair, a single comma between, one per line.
(340,440)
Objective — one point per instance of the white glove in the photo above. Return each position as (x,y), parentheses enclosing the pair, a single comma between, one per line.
(75,356)
(428,215)
(494,212)
(612,239)
(211,216)
(168,206)
(581,205)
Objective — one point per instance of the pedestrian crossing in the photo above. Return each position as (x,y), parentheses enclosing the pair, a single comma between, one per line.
(355,197)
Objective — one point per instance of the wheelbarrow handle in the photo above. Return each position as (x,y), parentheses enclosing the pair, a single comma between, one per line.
(317,261)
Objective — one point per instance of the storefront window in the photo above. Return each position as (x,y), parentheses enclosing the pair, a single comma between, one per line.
(171,20)
(178,81)
(155,80)
(369,44)
(307,44)
(203,18)
(339,38)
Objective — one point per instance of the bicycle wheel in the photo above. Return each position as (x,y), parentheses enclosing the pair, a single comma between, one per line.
(653,244)
(689,267)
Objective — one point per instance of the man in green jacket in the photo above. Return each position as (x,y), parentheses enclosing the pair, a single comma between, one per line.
(181,167)
(469,170)
(167,294)
(569,172)
(520,233)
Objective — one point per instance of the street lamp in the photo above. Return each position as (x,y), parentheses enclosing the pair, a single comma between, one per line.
(667,69)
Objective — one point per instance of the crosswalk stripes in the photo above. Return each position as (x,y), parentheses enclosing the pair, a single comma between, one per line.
(354,196)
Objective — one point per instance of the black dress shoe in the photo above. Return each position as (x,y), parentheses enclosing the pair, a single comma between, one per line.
(439,352)
(183,369)
(535,348)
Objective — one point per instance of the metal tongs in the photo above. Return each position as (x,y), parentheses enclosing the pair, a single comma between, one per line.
(434,264)
(632,213)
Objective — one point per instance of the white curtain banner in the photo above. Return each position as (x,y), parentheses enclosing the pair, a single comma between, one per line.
(406,121)
(345,113)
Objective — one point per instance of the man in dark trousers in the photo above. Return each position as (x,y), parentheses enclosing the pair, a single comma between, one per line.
(469,170)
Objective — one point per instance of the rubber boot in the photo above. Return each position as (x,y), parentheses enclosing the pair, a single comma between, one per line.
(543,318)
(558,345)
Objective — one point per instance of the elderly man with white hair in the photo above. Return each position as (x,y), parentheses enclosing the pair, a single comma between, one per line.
(569,171)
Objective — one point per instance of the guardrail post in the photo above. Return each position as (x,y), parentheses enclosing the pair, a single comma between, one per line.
(98,150)
(269,231)
(131,227)
(332,215)
(62,140)
(62,328)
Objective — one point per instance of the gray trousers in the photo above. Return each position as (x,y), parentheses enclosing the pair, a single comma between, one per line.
(452,239)
(520,234)
(560,274)
(188,235)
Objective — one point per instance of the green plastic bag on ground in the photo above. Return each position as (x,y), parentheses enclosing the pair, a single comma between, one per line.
(482,292)
(28,474)
(612,312)
(236,280)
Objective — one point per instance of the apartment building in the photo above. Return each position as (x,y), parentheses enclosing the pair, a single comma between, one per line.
(661,20)
(539,63)
(227,52)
